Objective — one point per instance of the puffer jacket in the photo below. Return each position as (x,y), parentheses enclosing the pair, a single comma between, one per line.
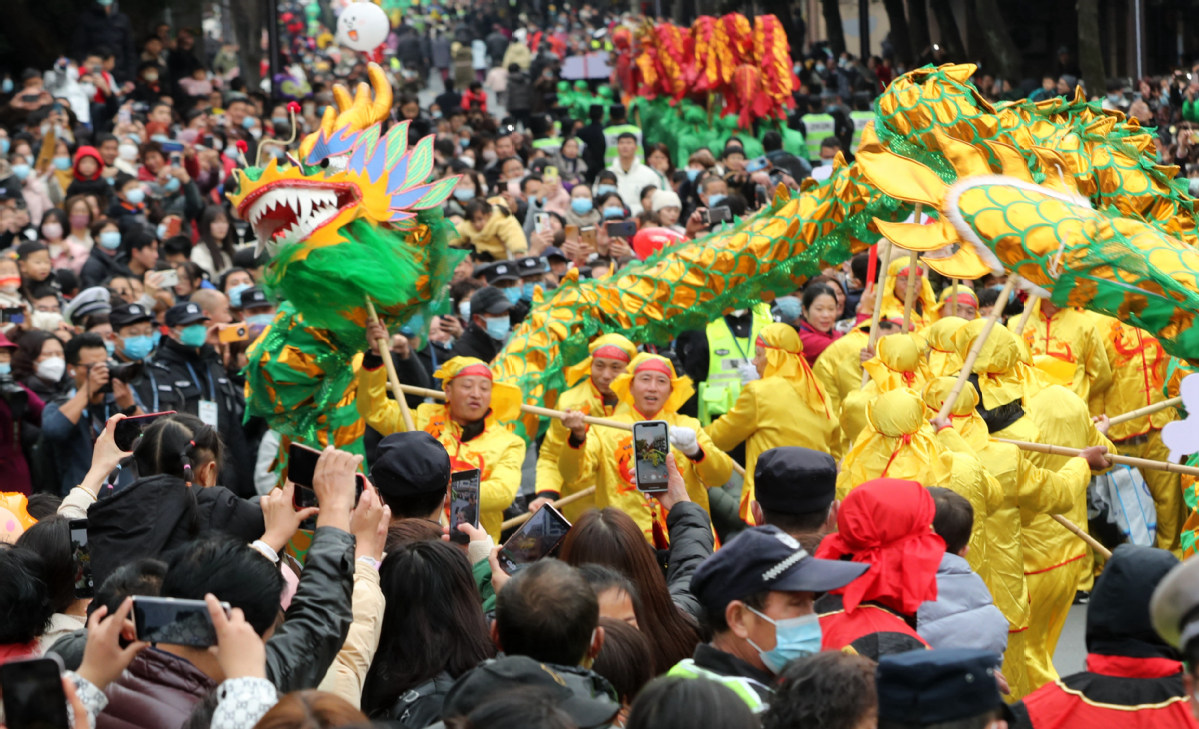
(963,615)
(157,691)
(691,543)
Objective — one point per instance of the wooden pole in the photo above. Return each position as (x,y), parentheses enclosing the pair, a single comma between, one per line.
(1026,315)
(878,302)
(518,520)
(1091,541)
(393,378)
(968,365)
(909,296)
(1147,410)
(1145,463)
(953,297)
(547,413)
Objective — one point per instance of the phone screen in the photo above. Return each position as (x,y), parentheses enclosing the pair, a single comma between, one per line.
(178,622)
(651,444)
(13,315)
(82,557)
(128,430)
(719,214)
(33,695)
(464,503)
(536,538)
(301,467)
(622,229)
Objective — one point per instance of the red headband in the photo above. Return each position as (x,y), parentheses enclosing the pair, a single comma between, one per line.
(477,370)
(611,351)
(905,269)
(963,299)
(655,365)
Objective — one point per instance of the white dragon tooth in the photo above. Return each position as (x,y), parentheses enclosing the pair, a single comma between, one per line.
(305,208)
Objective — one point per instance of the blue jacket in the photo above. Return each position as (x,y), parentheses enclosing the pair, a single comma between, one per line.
(963,615)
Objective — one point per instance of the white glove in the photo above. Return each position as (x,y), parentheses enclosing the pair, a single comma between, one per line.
(683,438)
(748,372)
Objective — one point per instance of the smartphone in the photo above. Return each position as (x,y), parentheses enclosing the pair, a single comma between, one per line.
(176,158)
(572,232)
(236,332)
(550,171)
(128,430)
(464,503)
(171,146)
(541,222)
(301,467)
(12,315)
(33,695)
(536,538)
(718,214)
(651,444)
(174,621)
(81,555)
(124,116)
(757,163)
(587,235)
(170,277)
(622,229)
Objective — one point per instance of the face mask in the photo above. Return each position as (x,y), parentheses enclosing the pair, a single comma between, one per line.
(489,155)
(231,152)
(794,638)
(693,174)
(161,231)
(193,336)
(260,321)
(4,144)
(150,77)
(79,220)
(612,213)
(248,122)
(52,369)
(62,163)
(605,189)
(461,194)
(499,327)
(788,307)
(513,294)
(52,231)
(21,170)
(10,283)
(826,162)
(463,307)
(819,68)
(715,199)
(110,239)
(5,369)
(88,90)
(136,196)
(235,295)
(279,121)
(138,347)
(464,143)
(581,205)
(6,88)
(156,337)
(47,321)
(172,185)
(111,347)
(127,152)
(104,3)
(527,291)
(256,132)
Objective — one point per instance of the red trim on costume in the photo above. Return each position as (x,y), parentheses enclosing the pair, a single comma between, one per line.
(1128,667)
(1060,564)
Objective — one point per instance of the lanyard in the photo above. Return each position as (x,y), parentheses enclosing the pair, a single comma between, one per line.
(737,344)
(196,381)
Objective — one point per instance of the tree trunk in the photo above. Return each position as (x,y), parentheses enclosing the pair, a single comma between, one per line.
(831,9)
(999,41)
(900,35)
(951,38)
(247,20)
(1090,55)
(918,27)
(781,9)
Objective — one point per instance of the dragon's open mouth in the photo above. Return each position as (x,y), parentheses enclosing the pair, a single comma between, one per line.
(287,211)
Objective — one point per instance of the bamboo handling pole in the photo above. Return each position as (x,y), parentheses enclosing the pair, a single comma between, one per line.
(518,520)
(885,263)
(1024,317)
(1057,450)
(909,296)
(1091,541)
(953,297)
(393,378)
(968,365)
(1147,410)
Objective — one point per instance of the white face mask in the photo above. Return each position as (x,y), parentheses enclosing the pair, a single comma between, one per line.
(51,369)
(127,152)
(47,321)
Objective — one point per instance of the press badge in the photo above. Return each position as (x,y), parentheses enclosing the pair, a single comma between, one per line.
(208,413)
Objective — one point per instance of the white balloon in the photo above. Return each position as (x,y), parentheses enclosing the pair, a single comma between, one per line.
(362,26)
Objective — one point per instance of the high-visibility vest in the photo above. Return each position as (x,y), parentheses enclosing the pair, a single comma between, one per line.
(860,119)
(725,354)
(748,689)
(610,136)
(817,128)
(549,144)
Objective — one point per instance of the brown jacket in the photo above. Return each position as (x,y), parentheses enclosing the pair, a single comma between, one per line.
(157,691)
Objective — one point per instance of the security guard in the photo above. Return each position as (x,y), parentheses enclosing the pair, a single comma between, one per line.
(720,358)
(619,124)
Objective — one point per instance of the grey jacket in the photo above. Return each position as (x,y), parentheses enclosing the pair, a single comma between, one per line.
(963,615)
(691,542)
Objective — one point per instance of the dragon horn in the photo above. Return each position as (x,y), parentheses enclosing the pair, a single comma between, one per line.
(295,130)
(381,109)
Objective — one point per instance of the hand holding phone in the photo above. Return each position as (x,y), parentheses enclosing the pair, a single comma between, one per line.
(174,621)
(128,430)
(651,445)
(81,558)
(241,652)
(33,694)
(538,537)
(622,229)
(103,656)
(319,478)
(235,332)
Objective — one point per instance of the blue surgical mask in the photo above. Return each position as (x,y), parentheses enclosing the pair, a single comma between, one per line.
(172,185)
(62,163)
(513,294)
(464,309)
(160,138)
(6,88)
(464,142)
(581,205)
(715,199)
(110,240)
(136,196)
(613,213)
(162,231)
(793,638)
(260,321)
(5,369)
(693,174)
(193,335)
(138,347)
(499,327)
(111,347)
(21,170)
(789,308)
(279,121)
(605,189)
(235,295)
(248,122)
(527,291)
(819,68)
(4,143)
(461,194)
(156,337)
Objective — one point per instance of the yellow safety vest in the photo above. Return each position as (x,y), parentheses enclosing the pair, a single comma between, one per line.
(725,353)
(860,119)
(817,128)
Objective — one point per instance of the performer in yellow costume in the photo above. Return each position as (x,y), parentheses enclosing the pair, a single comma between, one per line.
(650,390)
(899,362)
(468,424)
(787,406)
(591,393)
(943,357)
(1065,343)
(925,304)
(839,370)
(1138,373)
(961,302)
